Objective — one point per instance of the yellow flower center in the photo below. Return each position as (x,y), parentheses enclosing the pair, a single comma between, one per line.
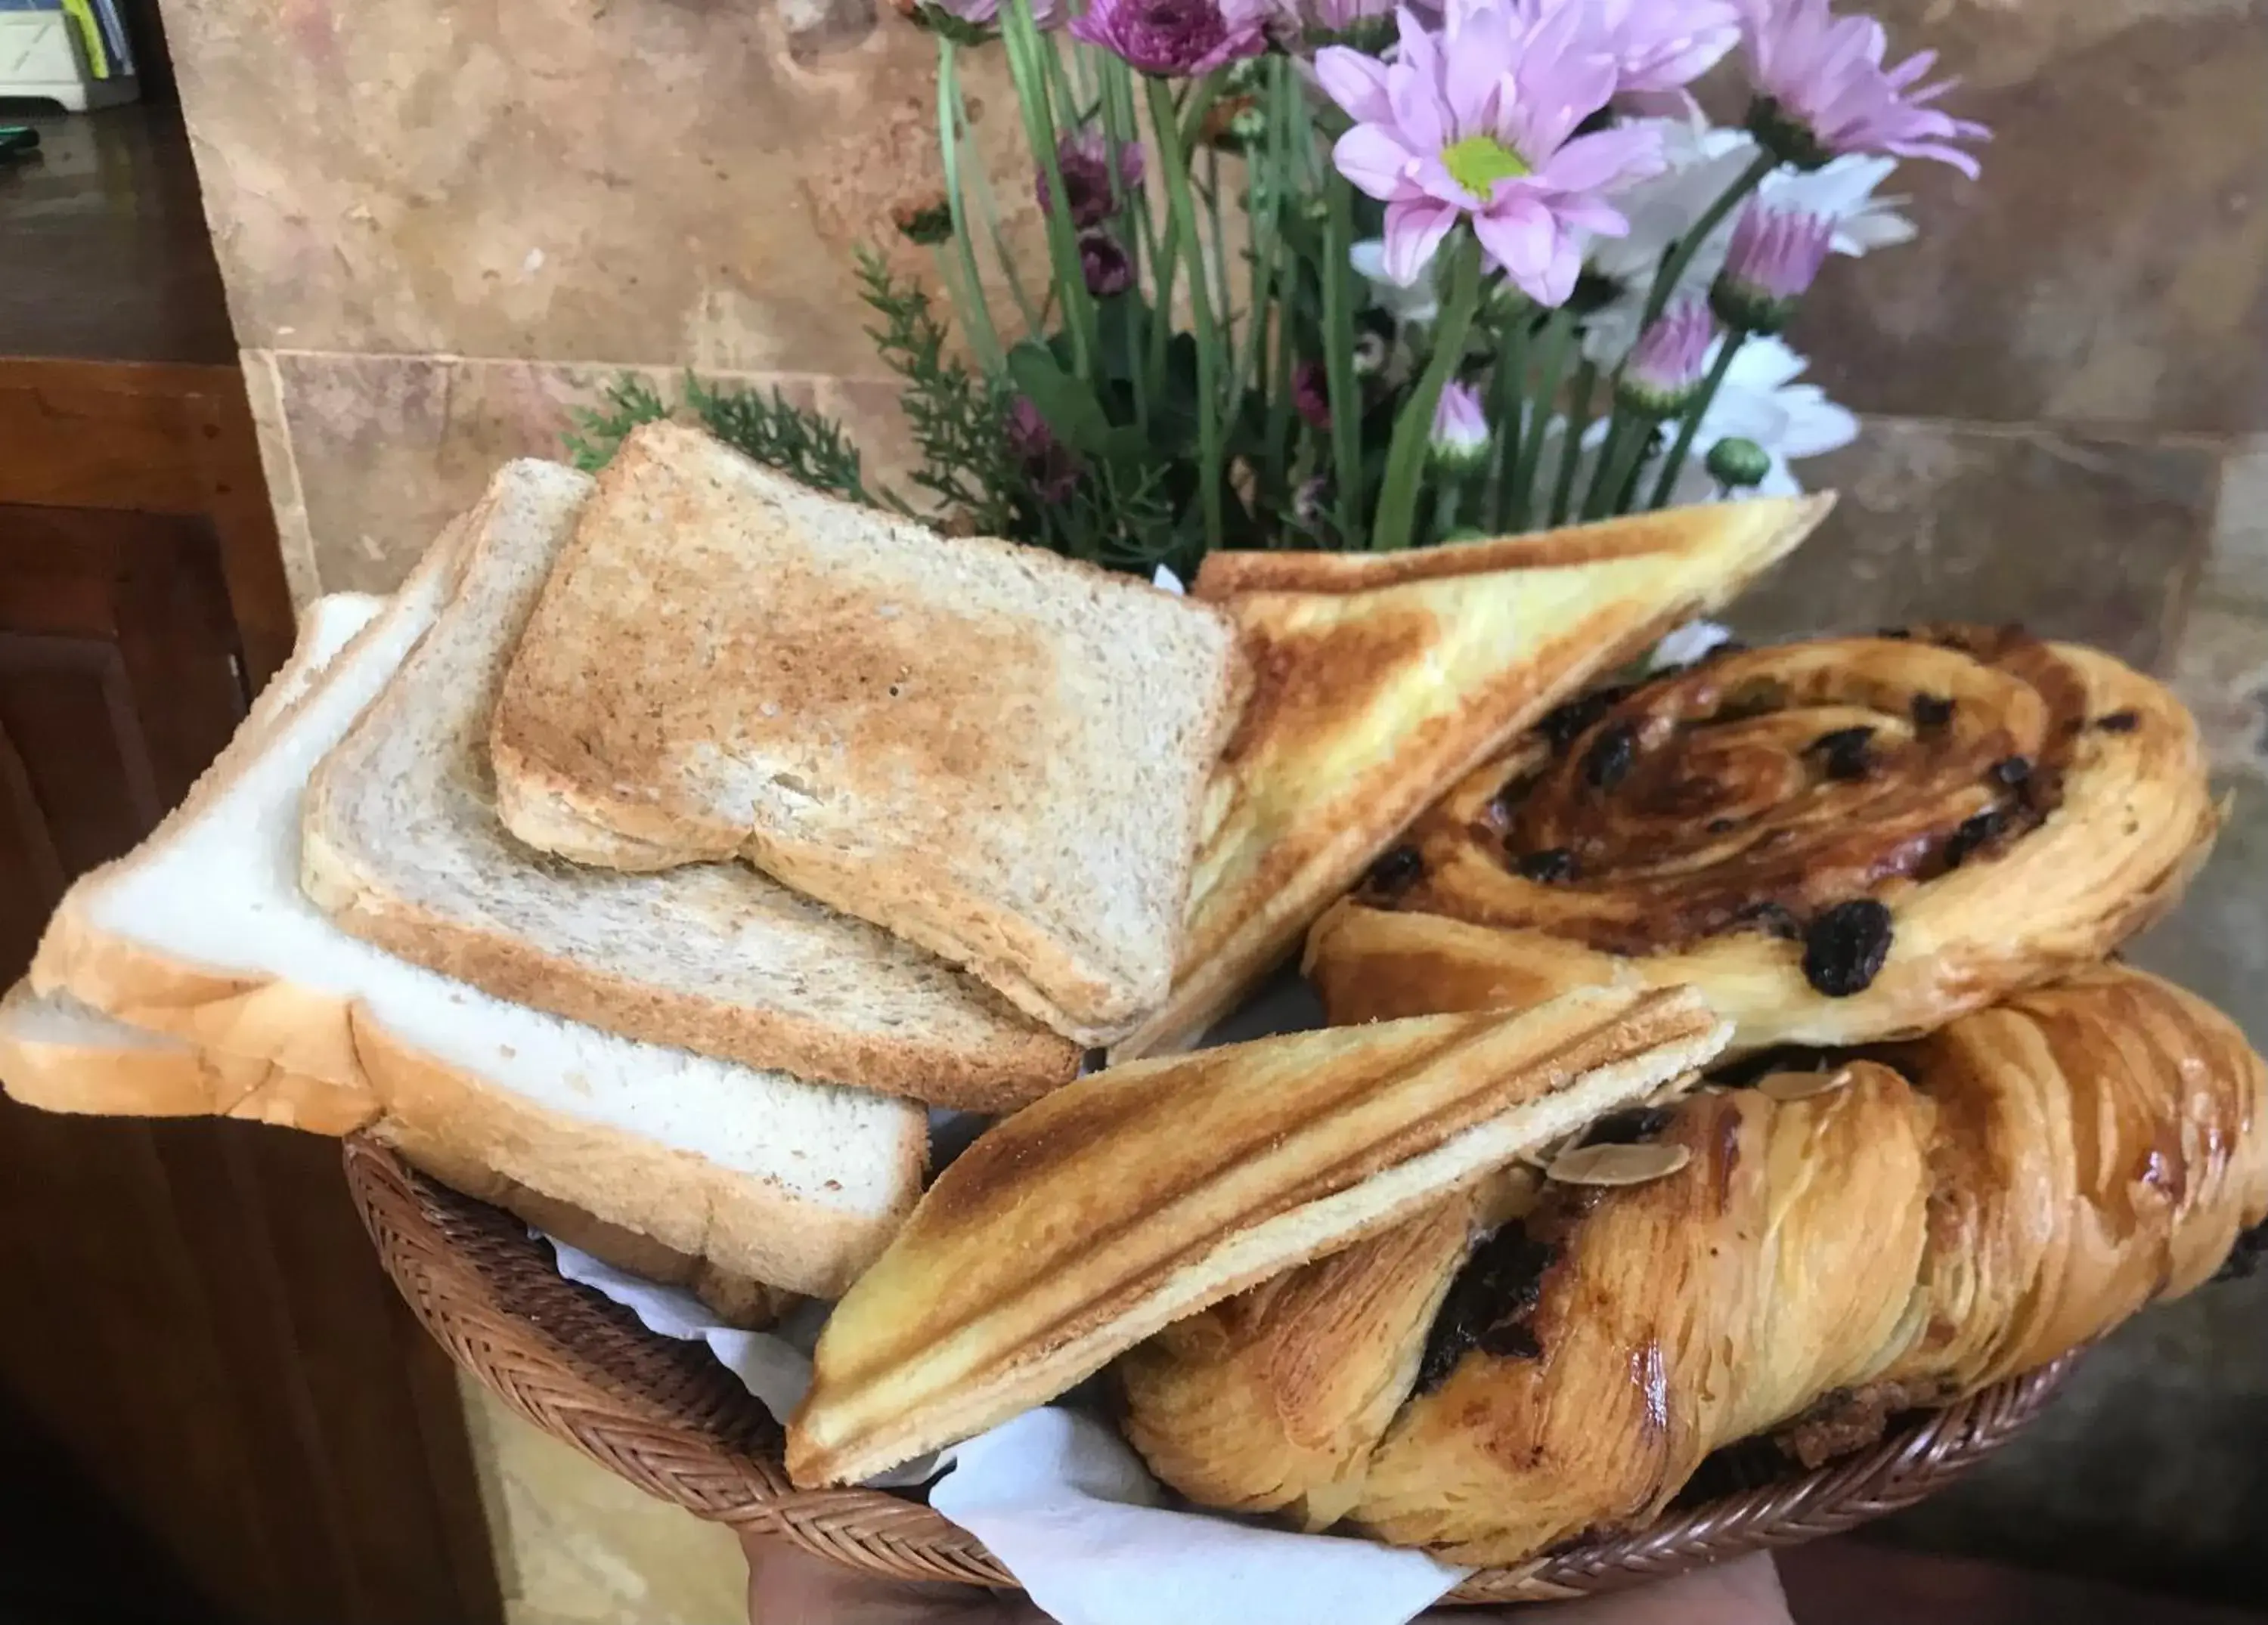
(1478,162)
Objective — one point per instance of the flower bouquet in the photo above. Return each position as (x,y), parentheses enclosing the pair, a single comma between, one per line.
(1323,274)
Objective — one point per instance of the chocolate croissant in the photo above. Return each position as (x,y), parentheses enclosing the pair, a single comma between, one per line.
(1836,842)
(1877,1231)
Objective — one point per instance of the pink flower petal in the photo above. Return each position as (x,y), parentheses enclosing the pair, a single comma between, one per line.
(1377,164)
(1483,56)
(1419,53)
(1414,231)
(1518,235)
(1594,214)
(1591,163)
(1423,120)
(1432,177)
(1356,82)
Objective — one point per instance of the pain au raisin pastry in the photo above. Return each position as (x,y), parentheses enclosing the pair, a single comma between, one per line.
(1828,1247)
(1836,842)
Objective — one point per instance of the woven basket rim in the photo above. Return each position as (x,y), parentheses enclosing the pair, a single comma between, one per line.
(669,1417)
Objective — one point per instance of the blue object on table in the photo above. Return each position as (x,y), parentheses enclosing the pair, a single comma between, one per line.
(18,141)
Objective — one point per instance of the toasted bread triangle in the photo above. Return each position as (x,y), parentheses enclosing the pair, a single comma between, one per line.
(1380,679)
(1137,1196)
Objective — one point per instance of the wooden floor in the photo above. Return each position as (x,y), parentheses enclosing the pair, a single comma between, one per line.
(1851,1582)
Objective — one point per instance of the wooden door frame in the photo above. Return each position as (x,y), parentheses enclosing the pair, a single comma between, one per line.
(102,434)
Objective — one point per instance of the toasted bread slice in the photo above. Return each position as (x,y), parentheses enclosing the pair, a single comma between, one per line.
(1380,679)
(202,934)
(1086,1223)
(995,752)
(402,847)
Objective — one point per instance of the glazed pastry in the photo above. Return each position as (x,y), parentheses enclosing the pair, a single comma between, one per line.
(1273,1401)
(1122,1202)
(1836,842)
(1833,1245)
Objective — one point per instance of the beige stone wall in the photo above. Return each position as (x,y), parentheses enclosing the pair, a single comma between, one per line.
(442,226)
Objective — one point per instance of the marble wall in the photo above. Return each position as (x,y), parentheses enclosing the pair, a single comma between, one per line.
(442,226)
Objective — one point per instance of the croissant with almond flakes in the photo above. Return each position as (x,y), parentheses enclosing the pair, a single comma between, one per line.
(1836,842)
(1824,1248)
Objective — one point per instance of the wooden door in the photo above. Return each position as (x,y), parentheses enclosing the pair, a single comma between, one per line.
(212,1404)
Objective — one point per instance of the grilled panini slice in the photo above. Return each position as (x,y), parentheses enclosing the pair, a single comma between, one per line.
(1122,1202)
(1381,680)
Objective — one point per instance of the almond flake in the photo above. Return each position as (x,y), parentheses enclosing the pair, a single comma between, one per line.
(1676,1089)
(1618,1164)
(1786,1087)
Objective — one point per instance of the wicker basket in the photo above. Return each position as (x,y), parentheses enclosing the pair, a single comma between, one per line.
(672,1420)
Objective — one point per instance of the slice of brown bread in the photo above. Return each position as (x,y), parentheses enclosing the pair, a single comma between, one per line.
(995,752)
(401,846)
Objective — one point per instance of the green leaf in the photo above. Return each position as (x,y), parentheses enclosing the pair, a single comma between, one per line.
(1068,408)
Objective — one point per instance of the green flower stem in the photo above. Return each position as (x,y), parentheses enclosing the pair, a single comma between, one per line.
(1448,491)
(1223,307)
(1571,441)
(1405,455)
(1684,445)
(1559,339)
(1507,394)
(1175,163)
(1022,39)
(1073,107)
(1626,443)
(1261,184)
(975,315)
(1344,388)
(1114,92)
(1681,253)
(980,195)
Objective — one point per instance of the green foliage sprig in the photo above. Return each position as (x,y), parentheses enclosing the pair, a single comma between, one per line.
(958,419)
(805,444)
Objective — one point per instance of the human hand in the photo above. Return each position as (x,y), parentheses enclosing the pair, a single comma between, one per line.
(790,1586)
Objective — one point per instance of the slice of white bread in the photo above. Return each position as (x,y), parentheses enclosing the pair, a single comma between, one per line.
(202,933)
(994,752)
(62,1055)
(401,846)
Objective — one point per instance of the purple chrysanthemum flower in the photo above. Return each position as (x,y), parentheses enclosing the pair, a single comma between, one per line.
(1311,395)
(1175,39)
(1104,265)
(1822,91)
(1775,254)
(1656,45)
(1478,120)
(1085,160)
(1665,367)
(1048,466)
(1459,438)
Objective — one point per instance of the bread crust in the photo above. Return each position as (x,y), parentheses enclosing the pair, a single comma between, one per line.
(172,1079)
(1381,680)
